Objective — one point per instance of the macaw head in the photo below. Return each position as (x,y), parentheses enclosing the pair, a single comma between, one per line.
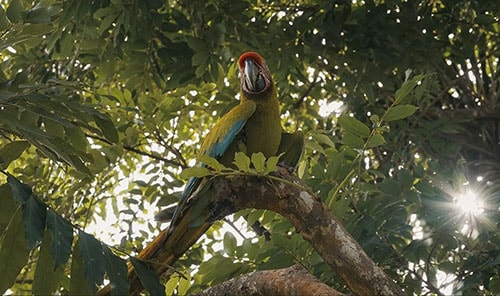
(256,78)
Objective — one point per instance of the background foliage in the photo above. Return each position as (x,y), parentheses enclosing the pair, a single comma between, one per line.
(103,103)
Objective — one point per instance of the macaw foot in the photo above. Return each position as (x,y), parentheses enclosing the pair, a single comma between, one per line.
(290,169)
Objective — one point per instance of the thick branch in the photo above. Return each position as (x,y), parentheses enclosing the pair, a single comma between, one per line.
(294,280)
(224,195)
(313,220)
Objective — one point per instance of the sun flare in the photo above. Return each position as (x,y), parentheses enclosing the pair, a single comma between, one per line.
(470,203)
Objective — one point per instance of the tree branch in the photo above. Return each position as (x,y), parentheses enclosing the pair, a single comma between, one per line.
(293,280)
(224,195)
(140,152)
(314,221)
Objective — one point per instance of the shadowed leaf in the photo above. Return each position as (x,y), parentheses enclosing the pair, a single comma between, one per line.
(148,276)
(61,232)
(46,278)
(34,216)
(20,191)
(93,259)
(117,271)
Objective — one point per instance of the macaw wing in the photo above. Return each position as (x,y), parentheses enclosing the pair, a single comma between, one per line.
(216,143)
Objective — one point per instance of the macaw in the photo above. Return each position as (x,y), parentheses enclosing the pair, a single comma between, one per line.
(250,127)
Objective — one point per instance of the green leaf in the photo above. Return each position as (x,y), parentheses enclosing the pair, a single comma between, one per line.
(183,285)
(38,15)
(242,161)
(117,271)
(107,127)
(399,112)
(336,159)
(211,163)
(484,19)
(53,128)
(375,141)
(406,88)
(494,285)
(180,19)
(77,284)
(229,243)
(15,11)
(4,21)
(93,259)
(61,232)
(259,161)
(197,44)
(77,138)
(13,254)
(20,191)
(34,216)
(8,207)
(354,126)
(170,106)
(148,277)
(353,141)
(200,58)
(46,279)
(197,171)
(272,163)
(11,152)
(323,139)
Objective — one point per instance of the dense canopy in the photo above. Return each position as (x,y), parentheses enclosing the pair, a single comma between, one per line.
(104,103)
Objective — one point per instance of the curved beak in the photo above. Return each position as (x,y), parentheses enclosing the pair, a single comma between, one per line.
(253,76)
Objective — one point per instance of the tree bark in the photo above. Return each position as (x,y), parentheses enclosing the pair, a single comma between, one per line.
(294,280)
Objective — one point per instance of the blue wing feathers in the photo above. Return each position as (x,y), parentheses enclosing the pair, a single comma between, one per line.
(220,147)
(216,151)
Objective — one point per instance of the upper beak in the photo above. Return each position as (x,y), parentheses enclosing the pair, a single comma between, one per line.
(252,73)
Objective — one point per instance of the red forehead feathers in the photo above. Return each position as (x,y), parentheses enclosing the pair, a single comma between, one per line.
(253,55)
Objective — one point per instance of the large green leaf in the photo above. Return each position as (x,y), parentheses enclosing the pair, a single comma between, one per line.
(11,152)
(20,191)
(407,87)
(13,254)
(107,127)
(47,278)
(78,284)
(117,271)
(15,11)
(229,243)
(4,21)
(354,126)
(242,161)
(61,232)
(399,112)
(91,251)
(148,276)
(8,207)
(258,161)
(34,216)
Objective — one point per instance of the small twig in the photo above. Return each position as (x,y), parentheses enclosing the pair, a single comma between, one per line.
(140,152)
(297,104)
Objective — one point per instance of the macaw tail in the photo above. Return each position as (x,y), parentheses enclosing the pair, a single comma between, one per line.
(163,252)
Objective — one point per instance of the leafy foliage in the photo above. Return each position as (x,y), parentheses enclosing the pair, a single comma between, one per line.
(103,103)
